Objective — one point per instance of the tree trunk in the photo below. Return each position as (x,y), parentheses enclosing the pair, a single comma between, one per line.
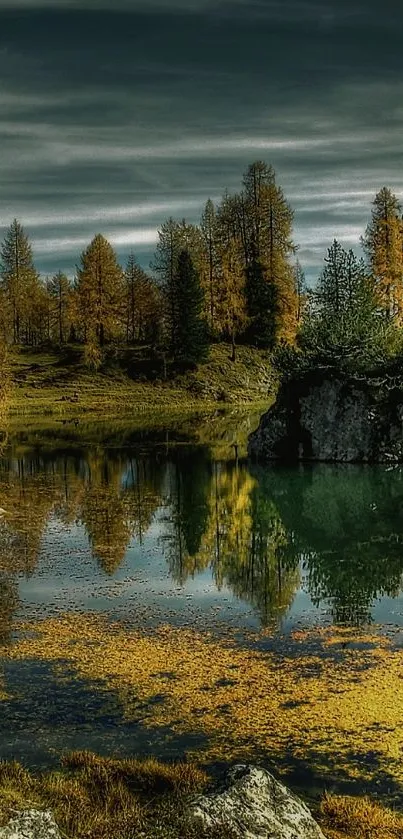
(233,355)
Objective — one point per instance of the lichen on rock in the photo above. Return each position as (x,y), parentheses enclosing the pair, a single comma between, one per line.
(253,804)
(31,824)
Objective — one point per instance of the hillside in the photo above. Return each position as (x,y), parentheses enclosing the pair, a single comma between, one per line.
(50,383)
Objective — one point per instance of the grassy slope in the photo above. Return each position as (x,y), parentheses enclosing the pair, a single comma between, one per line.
(48,384)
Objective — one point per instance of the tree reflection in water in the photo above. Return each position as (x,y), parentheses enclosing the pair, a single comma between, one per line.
(251,530)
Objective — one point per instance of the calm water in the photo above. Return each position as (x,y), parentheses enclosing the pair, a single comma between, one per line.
(154,532)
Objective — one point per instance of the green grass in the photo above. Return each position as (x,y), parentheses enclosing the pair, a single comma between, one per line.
(58,384)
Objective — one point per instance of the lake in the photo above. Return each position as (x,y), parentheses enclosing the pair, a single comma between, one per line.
(164,596)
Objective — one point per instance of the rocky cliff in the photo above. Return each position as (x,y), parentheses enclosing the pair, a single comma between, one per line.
(327,417)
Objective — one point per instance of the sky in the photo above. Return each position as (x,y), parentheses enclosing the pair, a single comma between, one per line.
(116,115)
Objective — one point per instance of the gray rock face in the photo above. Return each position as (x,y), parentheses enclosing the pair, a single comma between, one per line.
(31,824)
(325,417)
(255,806)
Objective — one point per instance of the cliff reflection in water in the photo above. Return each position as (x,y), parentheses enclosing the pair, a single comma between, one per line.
(335,531)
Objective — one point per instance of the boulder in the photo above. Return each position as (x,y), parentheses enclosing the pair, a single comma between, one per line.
(31,824)
(325,417)
(254,805)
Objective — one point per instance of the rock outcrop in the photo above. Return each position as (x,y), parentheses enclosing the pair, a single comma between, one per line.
(253,804)
(325,417)
(31,824)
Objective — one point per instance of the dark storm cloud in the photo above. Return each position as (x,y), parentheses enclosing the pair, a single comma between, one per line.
(113,120)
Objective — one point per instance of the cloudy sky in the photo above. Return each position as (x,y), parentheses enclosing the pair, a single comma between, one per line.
(116,115)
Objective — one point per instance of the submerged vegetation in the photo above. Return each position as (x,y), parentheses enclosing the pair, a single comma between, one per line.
(314,702)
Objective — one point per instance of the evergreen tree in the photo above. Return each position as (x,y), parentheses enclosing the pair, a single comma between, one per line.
(331,293)
(20,281)
(343,326)
(383,245)
(99,293)
(190,333)
(173,237)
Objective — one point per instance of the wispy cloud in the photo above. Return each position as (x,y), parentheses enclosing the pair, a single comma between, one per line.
(111,123)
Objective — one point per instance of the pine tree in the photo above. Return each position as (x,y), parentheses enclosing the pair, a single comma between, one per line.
(99,292)
(343,326)
(20,281)
(383,245)
(190,333)
(173,237)
(331,293)
(262,306)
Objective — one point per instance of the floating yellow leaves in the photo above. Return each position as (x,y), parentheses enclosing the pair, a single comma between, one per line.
(331,700)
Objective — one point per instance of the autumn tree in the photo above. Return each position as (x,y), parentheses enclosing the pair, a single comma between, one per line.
(141,303)
(210,265)
(383,245)
(99,292)
(4,377)
(260,220)
(104,514)
(301,290)
(20,282)
(230,295)
(60,294)
(189,327)
(267,220)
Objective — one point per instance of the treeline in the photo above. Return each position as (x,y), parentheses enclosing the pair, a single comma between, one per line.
(232,277)
(229,278)
(353,318)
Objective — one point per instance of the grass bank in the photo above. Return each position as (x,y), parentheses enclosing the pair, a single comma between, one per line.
(59,384)
(108,798)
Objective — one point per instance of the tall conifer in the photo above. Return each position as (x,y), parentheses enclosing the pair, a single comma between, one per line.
(20,281)
(190,332)
(383,245)
(99,290)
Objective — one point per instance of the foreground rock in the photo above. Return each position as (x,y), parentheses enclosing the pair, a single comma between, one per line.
(31,824)
(255,806)
(326,417)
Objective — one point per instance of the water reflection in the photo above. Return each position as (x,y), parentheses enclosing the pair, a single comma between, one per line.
(333,532)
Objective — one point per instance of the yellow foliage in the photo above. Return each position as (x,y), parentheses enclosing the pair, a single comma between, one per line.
(320,706)
(359,818)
